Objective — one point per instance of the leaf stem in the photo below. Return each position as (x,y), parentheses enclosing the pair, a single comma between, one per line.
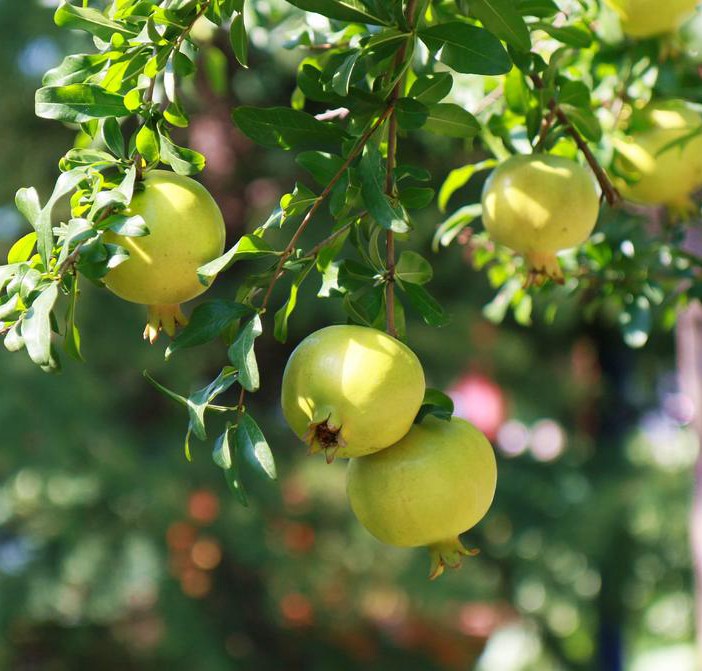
(609,191)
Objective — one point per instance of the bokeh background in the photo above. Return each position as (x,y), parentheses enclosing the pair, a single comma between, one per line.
(115,553)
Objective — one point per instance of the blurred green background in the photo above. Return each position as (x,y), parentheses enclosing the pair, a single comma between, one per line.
(115,553)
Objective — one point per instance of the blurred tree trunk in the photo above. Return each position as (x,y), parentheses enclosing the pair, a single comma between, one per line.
(689,341)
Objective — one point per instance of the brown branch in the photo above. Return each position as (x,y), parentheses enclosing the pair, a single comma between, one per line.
(546,126)
(609,191)
(391,326)
(288,251)
(316,250)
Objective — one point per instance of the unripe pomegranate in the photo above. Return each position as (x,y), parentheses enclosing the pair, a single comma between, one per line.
(351,390)
(646,18)
(434,484)
(186,231)
(658,171)
(538,205)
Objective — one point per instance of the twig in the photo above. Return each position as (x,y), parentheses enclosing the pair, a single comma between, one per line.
(288,251)
(489,99)
(610,192)
(148,96)
(315,251)
(546,126)
(391,326)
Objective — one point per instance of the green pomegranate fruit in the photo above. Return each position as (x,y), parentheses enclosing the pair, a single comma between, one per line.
(186,231)
(660,161)
(351,390)
(646,18)
(434,484)
(538,205)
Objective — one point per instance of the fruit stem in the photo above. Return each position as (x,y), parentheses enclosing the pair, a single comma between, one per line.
(543,266)
(163,318)
(608,189)
(447,553)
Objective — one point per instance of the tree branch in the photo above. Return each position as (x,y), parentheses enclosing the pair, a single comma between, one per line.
(288,251)
(608,189)
(391,326)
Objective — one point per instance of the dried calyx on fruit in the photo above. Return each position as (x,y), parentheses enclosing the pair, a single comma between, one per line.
(431,486)
(647,18)
(185,231)
(349,391)
(659,162)
(538,205)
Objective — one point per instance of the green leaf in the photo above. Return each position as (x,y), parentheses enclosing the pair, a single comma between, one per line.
(286,128)
(22,249)
(451,120)
(411,114)
(242,354)
(90,20)
(340,10)
(248,247)
(254,447)
(300,201)
(7,273)
(417,197)
(539,8)
(181,400)
(414,268)
(65,184)
(184,161)
(225,456)
(72,339)
(321,165)
(458,178)
(584,121)
(147,144)
(435,403)
(208,321)
(384,210)
(449,229)
(78,103)
(75,69)
(431,89)
(13,340)
(280,330)
(341,80)
(576,35)
(129,226)
(239,40)
(467,49)
(426,305)
(27,202)
(502,19)
(36,326)
(199,402)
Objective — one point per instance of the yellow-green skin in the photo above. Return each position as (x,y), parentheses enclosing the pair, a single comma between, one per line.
(434,484)
(540,204)
(657,177)
(646,18)
(186,231)
(431,486)
(355,380)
